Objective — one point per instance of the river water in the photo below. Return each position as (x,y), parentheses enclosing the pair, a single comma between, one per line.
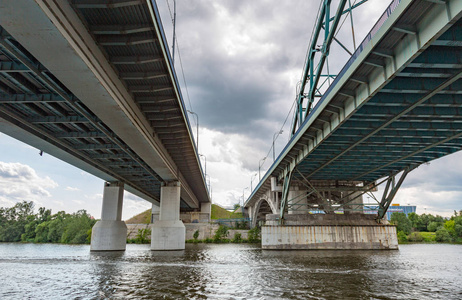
(229,271)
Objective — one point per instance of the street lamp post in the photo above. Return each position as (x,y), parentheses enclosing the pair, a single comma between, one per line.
(243,199)
(259,167)
(197,129)
(251,180)
(205,157)
(206,175)
(274,138)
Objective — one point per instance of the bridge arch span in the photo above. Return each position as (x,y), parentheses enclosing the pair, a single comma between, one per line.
(263,207)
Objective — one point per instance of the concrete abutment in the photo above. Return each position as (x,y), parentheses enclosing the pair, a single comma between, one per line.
(333,231)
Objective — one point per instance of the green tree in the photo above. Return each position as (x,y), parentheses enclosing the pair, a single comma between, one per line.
(254,235)
(402,237)
(401,221)
(442,235)
(433,226)
(56,227)
(14,221)
(76,228)
(29,231)
(220,234)
(196,235)
(416,222)
(237,238)
(142,236)
(42,232)
(450,227)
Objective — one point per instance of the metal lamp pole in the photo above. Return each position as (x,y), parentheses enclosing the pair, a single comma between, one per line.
(206,175)
(259,167)
(274,138)
(243,199)
(251,180)
(205,157)
(197,129)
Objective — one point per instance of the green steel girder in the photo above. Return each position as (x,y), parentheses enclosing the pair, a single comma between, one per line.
(96,147)
(312,73)
(80,135)
(58,119)
(397,100)
(285,194)
(12,67)
(404,125)
(390,191)
(404,84)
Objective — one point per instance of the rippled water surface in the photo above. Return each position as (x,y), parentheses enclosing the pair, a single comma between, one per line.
(29,271)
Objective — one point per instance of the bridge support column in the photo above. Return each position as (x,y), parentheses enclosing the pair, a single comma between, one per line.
(168,233)
(297,203)
(110,233)
(206,208)
(155,211)
(355,204)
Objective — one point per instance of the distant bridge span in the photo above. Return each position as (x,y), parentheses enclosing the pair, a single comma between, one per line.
(396,104)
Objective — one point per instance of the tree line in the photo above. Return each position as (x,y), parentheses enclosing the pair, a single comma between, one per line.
(427,227)
(20,224)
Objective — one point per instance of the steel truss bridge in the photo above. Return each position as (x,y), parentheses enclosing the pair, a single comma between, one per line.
(395,105)
(92,82)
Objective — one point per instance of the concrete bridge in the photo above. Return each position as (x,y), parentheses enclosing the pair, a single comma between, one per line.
(92,83)
(396,104)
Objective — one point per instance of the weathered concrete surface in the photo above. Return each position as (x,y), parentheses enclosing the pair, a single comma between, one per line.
(329,237)
(109,235)
(194,217)
(324,219)
(168,233)
(206,230)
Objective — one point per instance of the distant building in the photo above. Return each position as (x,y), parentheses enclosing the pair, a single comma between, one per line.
(407,209)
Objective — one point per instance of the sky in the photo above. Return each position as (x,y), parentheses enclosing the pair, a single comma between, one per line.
(241,61)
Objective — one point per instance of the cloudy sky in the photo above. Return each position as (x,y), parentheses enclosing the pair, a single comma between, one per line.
(242,61)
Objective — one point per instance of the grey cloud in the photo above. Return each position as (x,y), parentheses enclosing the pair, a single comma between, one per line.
(232,93)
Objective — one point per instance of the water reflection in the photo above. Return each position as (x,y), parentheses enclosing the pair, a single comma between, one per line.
(229,272)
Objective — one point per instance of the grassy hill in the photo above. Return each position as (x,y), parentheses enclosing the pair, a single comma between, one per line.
(142,218)
(218,212)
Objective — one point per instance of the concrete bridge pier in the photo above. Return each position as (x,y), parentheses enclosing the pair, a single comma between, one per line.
(354,204)
(110,233)
(297,201)
(168,233)
(206,208)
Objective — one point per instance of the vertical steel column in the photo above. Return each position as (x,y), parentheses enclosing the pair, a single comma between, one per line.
(388,194)
(285,193)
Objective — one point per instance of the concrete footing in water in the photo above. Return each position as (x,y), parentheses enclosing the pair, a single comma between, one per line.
(328,232)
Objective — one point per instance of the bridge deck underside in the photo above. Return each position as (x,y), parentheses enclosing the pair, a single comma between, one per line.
(33,99)
(412,120)
(37,102)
